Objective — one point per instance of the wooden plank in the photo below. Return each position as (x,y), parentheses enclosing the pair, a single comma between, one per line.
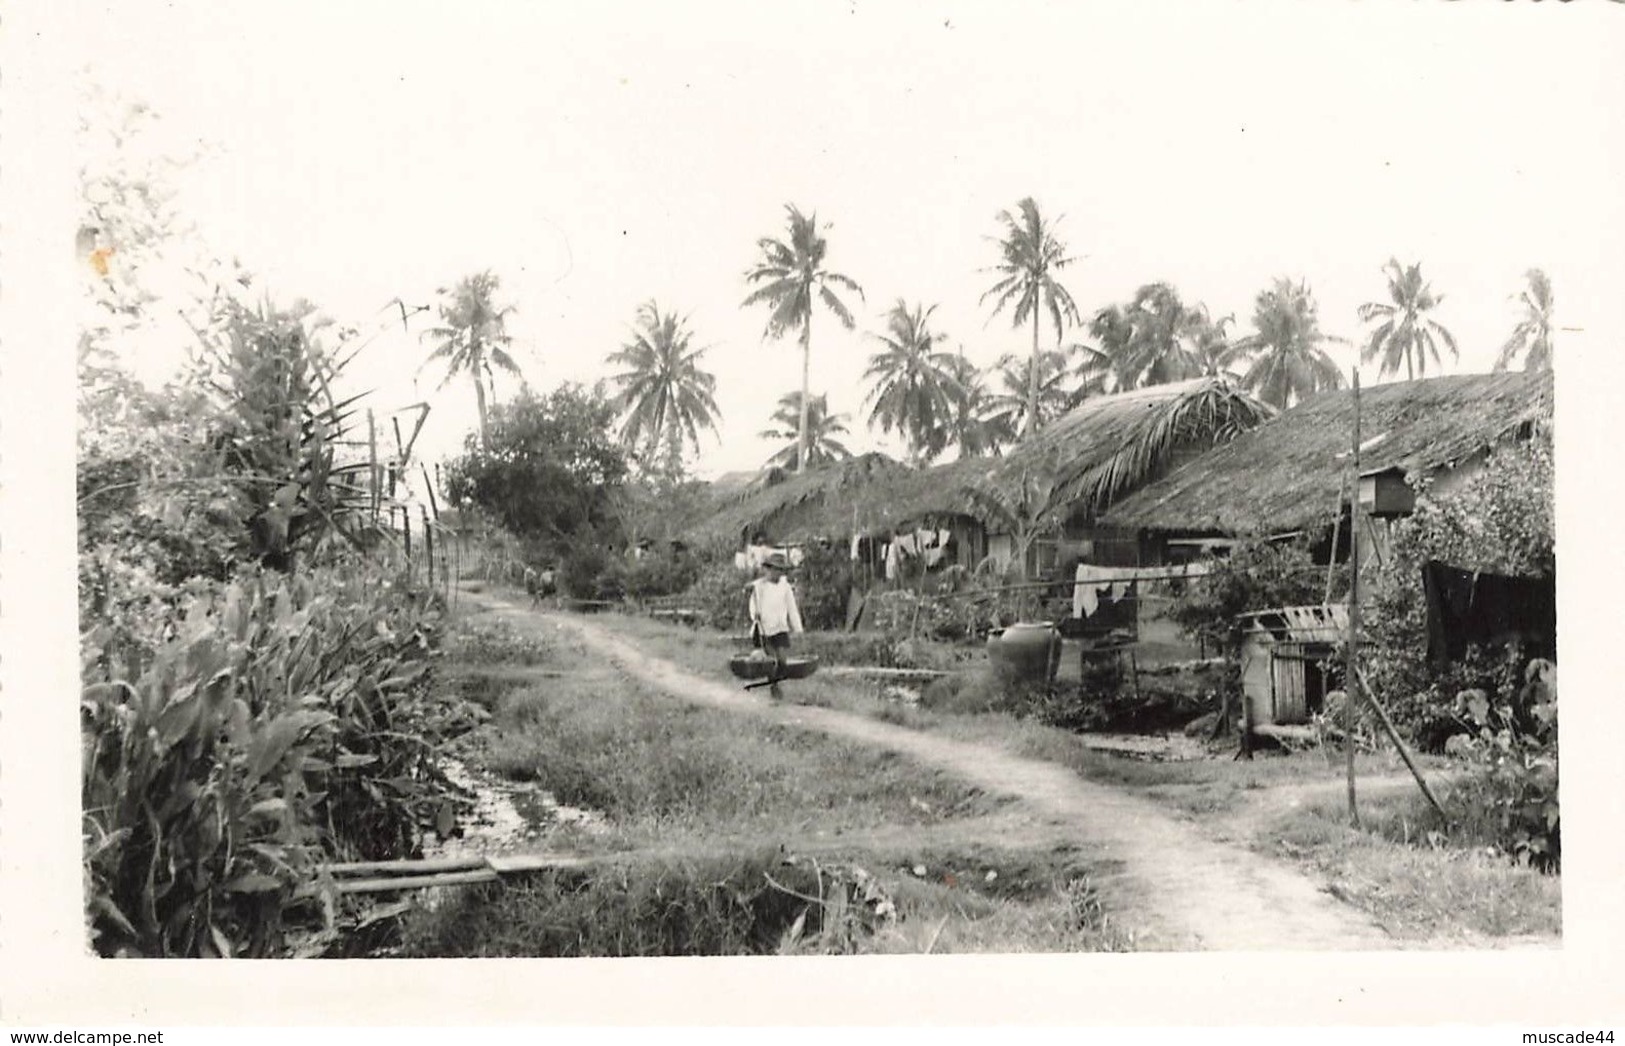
(425,866)
(509,864)
(390,884)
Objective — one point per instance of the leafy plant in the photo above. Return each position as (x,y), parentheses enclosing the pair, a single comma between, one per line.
(264,726)
(1511,784)
(1499,521)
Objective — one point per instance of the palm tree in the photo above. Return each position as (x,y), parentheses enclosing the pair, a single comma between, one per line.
(790,273)
(472,336)
(914,386)
(812,431)
(975,425)
(1287,363)
(664,397)
(1405,333)
(1012,402)
(1030,258)
(1155,339)
(1533,334)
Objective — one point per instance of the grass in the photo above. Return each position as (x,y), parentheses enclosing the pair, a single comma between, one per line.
(1440,886)
(764,903)
(698,803)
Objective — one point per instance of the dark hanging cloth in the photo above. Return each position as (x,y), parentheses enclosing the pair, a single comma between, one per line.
(1467,607)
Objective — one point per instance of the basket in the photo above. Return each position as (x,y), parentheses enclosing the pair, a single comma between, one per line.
(747,667)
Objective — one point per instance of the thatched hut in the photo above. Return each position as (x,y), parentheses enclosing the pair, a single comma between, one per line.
(1112,445)
(1291,475)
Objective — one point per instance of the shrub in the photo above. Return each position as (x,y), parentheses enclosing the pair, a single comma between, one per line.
(1256,575)
(661,574)
(1510,791)
(263,726)
(1500,521)
(719,594)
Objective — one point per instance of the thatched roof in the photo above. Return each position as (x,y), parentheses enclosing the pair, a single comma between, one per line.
(1105,446)
(1290,472)
(1110,445)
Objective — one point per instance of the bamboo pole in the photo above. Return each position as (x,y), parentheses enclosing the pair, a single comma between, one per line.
(425,866)
(1349,702)
(416,882)
(1393,735)
(1337,524)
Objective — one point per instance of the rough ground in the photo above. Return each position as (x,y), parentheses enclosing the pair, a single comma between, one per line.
(1174,886)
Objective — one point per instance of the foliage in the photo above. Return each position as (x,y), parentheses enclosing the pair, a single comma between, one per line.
(472,336)
(591,570)
(1155,339)
(1404,332)
(914,386)
(1500,520)
(788,276)
(1533,334)
(1257,575)
(664,397)
(1013,400)
(1287,364)
(719,593)
(975,424)
(550,472)
(1511,753)
(823,429)
(1030,259)
(823,581)
(661,572)
(262,726)
(279,429)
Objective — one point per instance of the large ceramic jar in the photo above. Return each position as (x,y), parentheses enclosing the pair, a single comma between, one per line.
(1031,649)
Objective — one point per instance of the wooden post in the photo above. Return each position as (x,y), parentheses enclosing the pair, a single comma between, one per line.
(1350,700)
(428,546)
(1393,735)
(373,478)
(1337,523)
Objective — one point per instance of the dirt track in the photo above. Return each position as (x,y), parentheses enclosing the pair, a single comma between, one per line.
(1174,887)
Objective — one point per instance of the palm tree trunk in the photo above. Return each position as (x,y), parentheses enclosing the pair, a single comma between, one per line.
(1032,380)
(806,378)
(479,400)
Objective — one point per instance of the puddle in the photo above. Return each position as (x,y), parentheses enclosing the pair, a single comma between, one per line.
(508,816)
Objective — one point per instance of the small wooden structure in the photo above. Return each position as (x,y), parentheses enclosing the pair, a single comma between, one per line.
(1284,653)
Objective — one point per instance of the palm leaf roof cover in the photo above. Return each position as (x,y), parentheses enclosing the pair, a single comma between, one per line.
(1290,472)
(1098,450)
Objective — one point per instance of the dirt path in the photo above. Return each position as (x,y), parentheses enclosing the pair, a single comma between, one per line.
(1176,888)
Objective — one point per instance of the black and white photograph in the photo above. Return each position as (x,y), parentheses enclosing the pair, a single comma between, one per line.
(854,487)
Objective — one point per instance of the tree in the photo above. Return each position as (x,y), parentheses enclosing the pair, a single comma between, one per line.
(1026,506)
(787,277)
(914,386)
(1405,333)
(975,425)
(1533,334)
(1154,339)
(812,431)
(664,397)
(1012,402)
(472,336)
(548,469)
(1030,258)
(1287,363)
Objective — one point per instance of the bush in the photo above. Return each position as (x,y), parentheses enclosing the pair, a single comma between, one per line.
(661,574)
(263,726)
(1510,791)
(719,594)
(1501,521)
(1256,575)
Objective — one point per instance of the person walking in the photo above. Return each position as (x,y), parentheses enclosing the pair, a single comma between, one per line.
(774,614)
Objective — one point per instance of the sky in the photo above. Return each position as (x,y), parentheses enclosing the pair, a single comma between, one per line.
(356,153)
